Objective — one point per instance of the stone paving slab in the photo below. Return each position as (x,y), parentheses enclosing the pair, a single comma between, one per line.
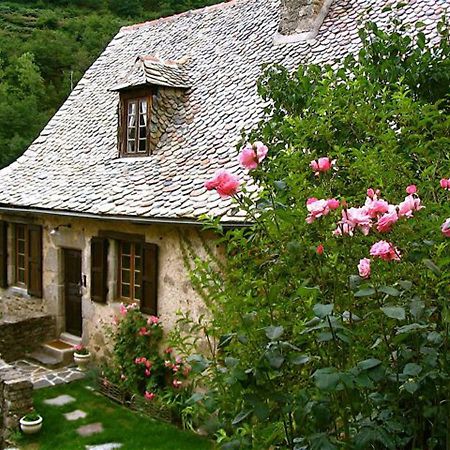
(89,430)
(75,415)
(109,446)
(61,400)
(42,377)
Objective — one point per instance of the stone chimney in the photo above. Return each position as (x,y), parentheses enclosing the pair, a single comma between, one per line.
(301,19)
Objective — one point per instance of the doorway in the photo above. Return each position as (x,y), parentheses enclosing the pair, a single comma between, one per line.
(72,291)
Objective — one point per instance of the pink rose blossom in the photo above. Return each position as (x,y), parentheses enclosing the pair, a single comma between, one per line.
(168,350)
(176,383)
(333,203)
(375,206)
(143,331)
(357,217)
(148,364)
(411,189)
(152,320)
(147,372)
(316,209)
(446,228)
(225,183)
(261,150)
(343,228)
(370,193)
(321,165)
(387,221)
(252,155)
(123,310)
(364,268)
(320,249)
(385,250)
(149,395)
(168,364)
(445,184)
(410,204)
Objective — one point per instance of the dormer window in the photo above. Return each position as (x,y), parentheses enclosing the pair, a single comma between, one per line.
(135,122)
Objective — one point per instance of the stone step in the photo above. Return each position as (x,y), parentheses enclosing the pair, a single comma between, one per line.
(45,359)
(59,350)
(70,339)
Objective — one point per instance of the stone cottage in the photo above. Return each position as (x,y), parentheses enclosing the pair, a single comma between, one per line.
(90,214)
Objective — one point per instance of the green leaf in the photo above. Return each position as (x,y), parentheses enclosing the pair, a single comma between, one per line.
(367,292)
(389,290)
(299,360)
(231,362)
(405,284)
(412,369)
(394,312)
(410,386)
(194,398)
(308,292)
(368,364)
(275,359)
(432,266)
(326,378)
(241,416)
(322,311)
(274,333)
(280,185)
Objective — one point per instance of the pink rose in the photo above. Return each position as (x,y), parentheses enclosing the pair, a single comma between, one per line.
(445,184)
(247,158)
(357,217)
(370,193)
(364,268)
(143,331)
(152,320)
(411,189)
(385,250)
(252,155)
(446,228)
(176,383)
(168,350)
(149,395)
(374,206)
(321,165)
(410,204)
(387,221)
(123,310)
(316,209)
(147,372)
(333,203)
(224,183)
(320,249)
(261,150)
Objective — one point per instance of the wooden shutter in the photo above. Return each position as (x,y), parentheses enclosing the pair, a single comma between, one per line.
(149,302)
(35,260)
(99,269)
(3,255)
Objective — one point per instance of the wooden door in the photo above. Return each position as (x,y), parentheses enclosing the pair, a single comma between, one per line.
(72,289)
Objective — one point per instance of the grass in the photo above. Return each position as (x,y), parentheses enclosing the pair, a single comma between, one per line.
(133,430)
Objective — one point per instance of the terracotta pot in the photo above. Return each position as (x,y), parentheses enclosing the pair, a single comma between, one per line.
(81,361)
(30,426)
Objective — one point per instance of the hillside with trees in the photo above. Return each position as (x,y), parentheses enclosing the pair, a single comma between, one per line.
(45,47)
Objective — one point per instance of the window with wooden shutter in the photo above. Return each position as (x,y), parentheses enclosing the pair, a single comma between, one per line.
(99,268)
(34,260)
(3,255)
(149,301)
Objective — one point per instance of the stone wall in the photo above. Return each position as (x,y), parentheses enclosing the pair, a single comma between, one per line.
(16,400)
(19,335)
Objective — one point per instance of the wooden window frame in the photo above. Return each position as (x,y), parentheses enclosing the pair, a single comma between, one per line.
(19,283)
(125,98)
(131,269)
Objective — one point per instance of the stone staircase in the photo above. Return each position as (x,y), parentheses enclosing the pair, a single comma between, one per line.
(56,353)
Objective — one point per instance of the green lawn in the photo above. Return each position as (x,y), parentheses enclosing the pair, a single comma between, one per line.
(133,430)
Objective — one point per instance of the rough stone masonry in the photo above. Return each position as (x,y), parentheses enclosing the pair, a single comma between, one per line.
(16,400)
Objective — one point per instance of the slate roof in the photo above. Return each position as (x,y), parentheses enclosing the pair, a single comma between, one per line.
(73,166)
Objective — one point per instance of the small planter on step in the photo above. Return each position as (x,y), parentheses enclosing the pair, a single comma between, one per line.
(31,423)
(81,357)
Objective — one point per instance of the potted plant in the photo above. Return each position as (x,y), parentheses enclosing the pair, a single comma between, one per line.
(81,356)
(31,423)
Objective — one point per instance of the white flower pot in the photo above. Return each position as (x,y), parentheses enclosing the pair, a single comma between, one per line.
(81,361)
(30,427)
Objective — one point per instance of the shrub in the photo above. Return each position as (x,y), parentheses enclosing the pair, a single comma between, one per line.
(332,315)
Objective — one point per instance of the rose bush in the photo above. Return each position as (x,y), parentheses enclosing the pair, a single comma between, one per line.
(332,312)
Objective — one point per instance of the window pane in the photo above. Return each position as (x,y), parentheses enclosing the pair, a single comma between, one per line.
(137,263)
(142,145)
(126,248)
(143,106)
(137,292)
(126,290)
(125,276)
(21,246)
(131,147)
(132,108)
(21,261)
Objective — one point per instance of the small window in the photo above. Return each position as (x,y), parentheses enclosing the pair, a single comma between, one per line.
(28,258)
(21,252)
(130,271)
(134,127)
